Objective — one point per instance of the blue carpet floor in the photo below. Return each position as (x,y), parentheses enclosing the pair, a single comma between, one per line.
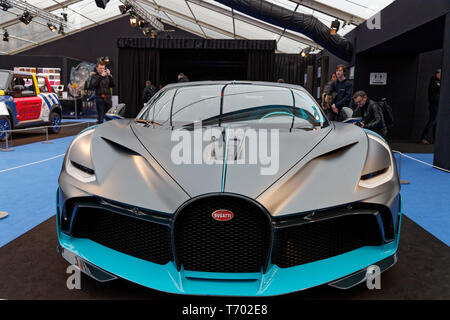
(426,200)
(28,193)
(29,178)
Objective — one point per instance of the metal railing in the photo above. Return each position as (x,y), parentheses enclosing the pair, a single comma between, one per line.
(7,144)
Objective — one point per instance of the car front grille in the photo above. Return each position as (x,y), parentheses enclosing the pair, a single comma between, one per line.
(239,245)
(243,244)
(130,235)
(309,242)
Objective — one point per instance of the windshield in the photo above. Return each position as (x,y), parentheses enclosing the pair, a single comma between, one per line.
(4,80)
(216,104)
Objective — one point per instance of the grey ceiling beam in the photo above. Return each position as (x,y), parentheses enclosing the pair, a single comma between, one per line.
(331,11)
(60,5)
(255,22)
(189,19)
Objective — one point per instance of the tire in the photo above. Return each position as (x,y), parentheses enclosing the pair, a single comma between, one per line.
(55,121)
(5,124)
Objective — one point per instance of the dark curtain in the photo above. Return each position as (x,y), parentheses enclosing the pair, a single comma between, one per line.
(135,67)
(147,43)
(290,67)
(139,60)
(261,65)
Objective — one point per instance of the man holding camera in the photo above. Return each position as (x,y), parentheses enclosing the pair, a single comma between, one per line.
(371,113)
(101,83)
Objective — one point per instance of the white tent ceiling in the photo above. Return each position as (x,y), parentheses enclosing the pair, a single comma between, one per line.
(205,18)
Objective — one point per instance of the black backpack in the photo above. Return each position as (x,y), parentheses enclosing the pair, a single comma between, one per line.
(388,114)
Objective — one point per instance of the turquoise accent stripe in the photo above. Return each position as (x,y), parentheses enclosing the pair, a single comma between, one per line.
(224,171)
(278,112)
(275,281)
(88,128)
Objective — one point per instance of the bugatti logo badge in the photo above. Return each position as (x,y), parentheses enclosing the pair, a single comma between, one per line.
(222,215)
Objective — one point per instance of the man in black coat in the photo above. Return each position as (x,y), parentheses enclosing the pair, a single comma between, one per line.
(149,91)
(182,78)
(102,82)
(434,89)
(371,113)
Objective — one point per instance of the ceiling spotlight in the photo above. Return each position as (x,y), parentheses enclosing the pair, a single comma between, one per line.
(133,20)
(124,8)
(61,30)
(5,36)
(101,3)
(26,17)
(142,23)
(335,25)
(5,5)
(52,27)
(64,16)
(305,52)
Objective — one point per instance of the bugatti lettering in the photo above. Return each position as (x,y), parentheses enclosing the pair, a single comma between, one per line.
(222,215)
(230,146)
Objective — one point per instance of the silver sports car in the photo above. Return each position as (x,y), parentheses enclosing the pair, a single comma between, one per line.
(229,188)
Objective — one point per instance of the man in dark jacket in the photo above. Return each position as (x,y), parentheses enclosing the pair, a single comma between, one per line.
(149,91)
(341,91)
(182,78)
(101,82)
(434,89)
(370,112)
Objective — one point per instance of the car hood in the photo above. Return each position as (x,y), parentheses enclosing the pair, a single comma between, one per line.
(248,179)
(316,169)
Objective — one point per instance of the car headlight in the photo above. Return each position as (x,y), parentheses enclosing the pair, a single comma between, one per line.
(78,160)
(379,165)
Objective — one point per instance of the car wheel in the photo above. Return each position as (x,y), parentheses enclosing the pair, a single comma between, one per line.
(5,125)
(55,122)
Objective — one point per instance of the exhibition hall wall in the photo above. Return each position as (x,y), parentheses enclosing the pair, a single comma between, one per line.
(409,51)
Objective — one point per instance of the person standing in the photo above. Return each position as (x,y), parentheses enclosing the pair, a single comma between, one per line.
(434,89)
(327,100)
(182,78)
(341,91)
(102,82)
(149,91)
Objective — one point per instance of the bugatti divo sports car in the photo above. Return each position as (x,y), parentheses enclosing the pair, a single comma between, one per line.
(229,188)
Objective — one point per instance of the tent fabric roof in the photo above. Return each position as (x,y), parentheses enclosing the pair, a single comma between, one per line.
(205,18)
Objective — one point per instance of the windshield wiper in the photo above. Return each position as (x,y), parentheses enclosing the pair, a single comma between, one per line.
(147,122)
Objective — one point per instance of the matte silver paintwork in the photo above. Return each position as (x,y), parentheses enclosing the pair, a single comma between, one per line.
(318,169)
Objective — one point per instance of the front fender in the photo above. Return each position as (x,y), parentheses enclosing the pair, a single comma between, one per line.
(8,108)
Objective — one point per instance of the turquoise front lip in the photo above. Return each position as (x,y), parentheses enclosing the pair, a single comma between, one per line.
(275,282)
